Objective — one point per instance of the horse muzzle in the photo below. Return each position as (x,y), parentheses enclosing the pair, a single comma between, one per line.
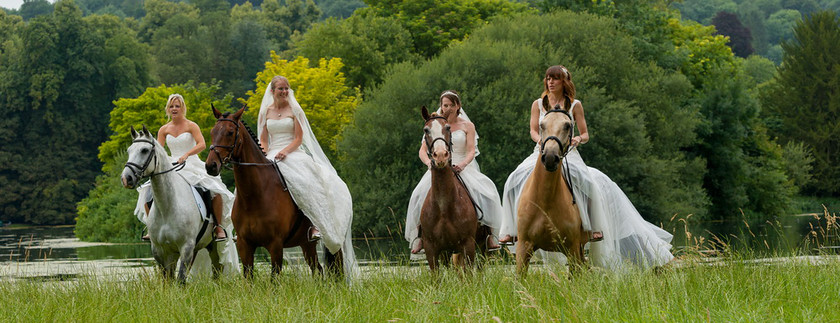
(128,181)
(212,168)
(550,160)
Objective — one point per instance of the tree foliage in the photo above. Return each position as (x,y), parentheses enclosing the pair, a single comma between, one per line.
(322,92)
(804,97)
(366,45)
(60,73)
(729,25)
(498,70)
(433,24)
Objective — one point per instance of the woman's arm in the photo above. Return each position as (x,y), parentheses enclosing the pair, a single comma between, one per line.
(264,139)
(195,131)
(580,120)
(424,155)
(294,144)
(161,136)
(535,121)
(469,128)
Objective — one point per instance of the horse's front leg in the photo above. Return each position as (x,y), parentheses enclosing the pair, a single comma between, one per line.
(187,257)
(310,254)
(524,252)
(246,256)
(431,255)
(275,249)
(215,248)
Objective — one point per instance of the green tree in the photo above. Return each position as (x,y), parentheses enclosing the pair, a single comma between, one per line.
(33,8)
(59,81)
(498,71)
(433,24)
(339,8)
(106,214)
(804,97)
(284,21)
(321,91)
(366,44)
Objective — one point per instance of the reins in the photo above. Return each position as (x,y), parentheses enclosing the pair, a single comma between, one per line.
(565,170)
(229,159)
(138,170)
(430,145)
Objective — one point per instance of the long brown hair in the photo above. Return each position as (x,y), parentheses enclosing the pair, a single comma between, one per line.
(561,73)
(453,96)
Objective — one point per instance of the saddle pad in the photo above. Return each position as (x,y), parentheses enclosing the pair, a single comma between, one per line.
(202,208)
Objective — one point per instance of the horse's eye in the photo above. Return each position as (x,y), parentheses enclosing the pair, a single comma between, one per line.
(542,126)
(427,130)
(567,126)
(230,133)
(447,127)
(144,150)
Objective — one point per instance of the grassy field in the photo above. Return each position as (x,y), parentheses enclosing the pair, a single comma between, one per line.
(790,290)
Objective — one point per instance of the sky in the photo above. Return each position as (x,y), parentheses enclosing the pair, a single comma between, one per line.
(13,4)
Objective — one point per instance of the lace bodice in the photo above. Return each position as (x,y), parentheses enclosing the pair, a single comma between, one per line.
(281,132)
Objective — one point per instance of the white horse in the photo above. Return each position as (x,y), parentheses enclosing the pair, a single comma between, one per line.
(176,227)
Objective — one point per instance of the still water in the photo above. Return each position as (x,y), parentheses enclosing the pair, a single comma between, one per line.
(53,253)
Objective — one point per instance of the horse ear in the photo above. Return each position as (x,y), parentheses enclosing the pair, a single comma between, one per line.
(134,133)
(425,113)
(146,131)
(216,113)
(238,114)
(545,103)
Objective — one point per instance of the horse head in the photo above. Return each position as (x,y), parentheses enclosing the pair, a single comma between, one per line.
(556,130)
(225,139)
(142,155)
(438,139)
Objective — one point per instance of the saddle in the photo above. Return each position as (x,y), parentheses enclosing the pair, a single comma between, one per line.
(203,199)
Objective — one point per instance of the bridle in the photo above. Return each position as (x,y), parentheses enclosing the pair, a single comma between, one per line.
(431,144)
(229,160)
(555,138)
(565,170)
(137,170)
(231,148)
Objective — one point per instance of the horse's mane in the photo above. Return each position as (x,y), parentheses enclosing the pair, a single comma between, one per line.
(251,132)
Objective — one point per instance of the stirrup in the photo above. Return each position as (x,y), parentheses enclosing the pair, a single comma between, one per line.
(593,239)
(217,239)
(146,236)
(510,242)
(314,236)
(487,244)
(419,249)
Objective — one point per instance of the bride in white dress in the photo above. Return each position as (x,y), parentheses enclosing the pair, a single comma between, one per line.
(324,198)
(464,150)
(185,141)
(618,233)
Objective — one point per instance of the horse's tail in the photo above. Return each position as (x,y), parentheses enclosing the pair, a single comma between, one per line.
(334,263)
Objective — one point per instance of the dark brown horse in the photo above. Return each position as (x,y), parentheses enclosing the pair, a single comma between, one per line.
(448,219)
(548,219)
(263,214)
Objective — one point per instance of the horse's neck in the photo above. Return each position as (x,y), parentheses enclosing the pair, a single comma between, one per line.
(550,185)
(164,186)
(249,152)
(444,185)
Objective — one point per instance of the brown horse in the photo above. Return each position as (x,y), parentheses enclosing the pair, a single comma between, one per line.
(548,219)
(263,214)
(448,219)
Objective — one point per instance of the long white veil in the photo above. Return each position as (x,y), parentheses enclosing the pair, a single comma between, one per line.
(310,143)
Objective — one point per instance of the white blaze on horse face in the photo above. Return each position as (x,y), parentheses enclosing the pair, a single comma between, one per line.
(440,153)
(136,156)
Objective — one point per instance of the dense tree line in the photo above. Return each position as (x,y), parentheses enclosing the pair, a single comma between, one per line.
(683,124)
(766,23)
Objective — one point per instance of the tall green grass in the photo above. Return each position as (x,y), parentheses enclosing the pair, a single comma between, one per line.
(733,290)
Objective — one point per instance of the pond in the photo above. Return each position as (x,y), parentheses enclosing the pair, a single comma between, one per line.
(53,252)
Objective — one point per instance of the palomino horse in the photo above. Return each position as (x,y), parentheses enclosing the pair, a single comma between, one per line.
(548,219)
(263,214)
(176,227)
(448,219)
